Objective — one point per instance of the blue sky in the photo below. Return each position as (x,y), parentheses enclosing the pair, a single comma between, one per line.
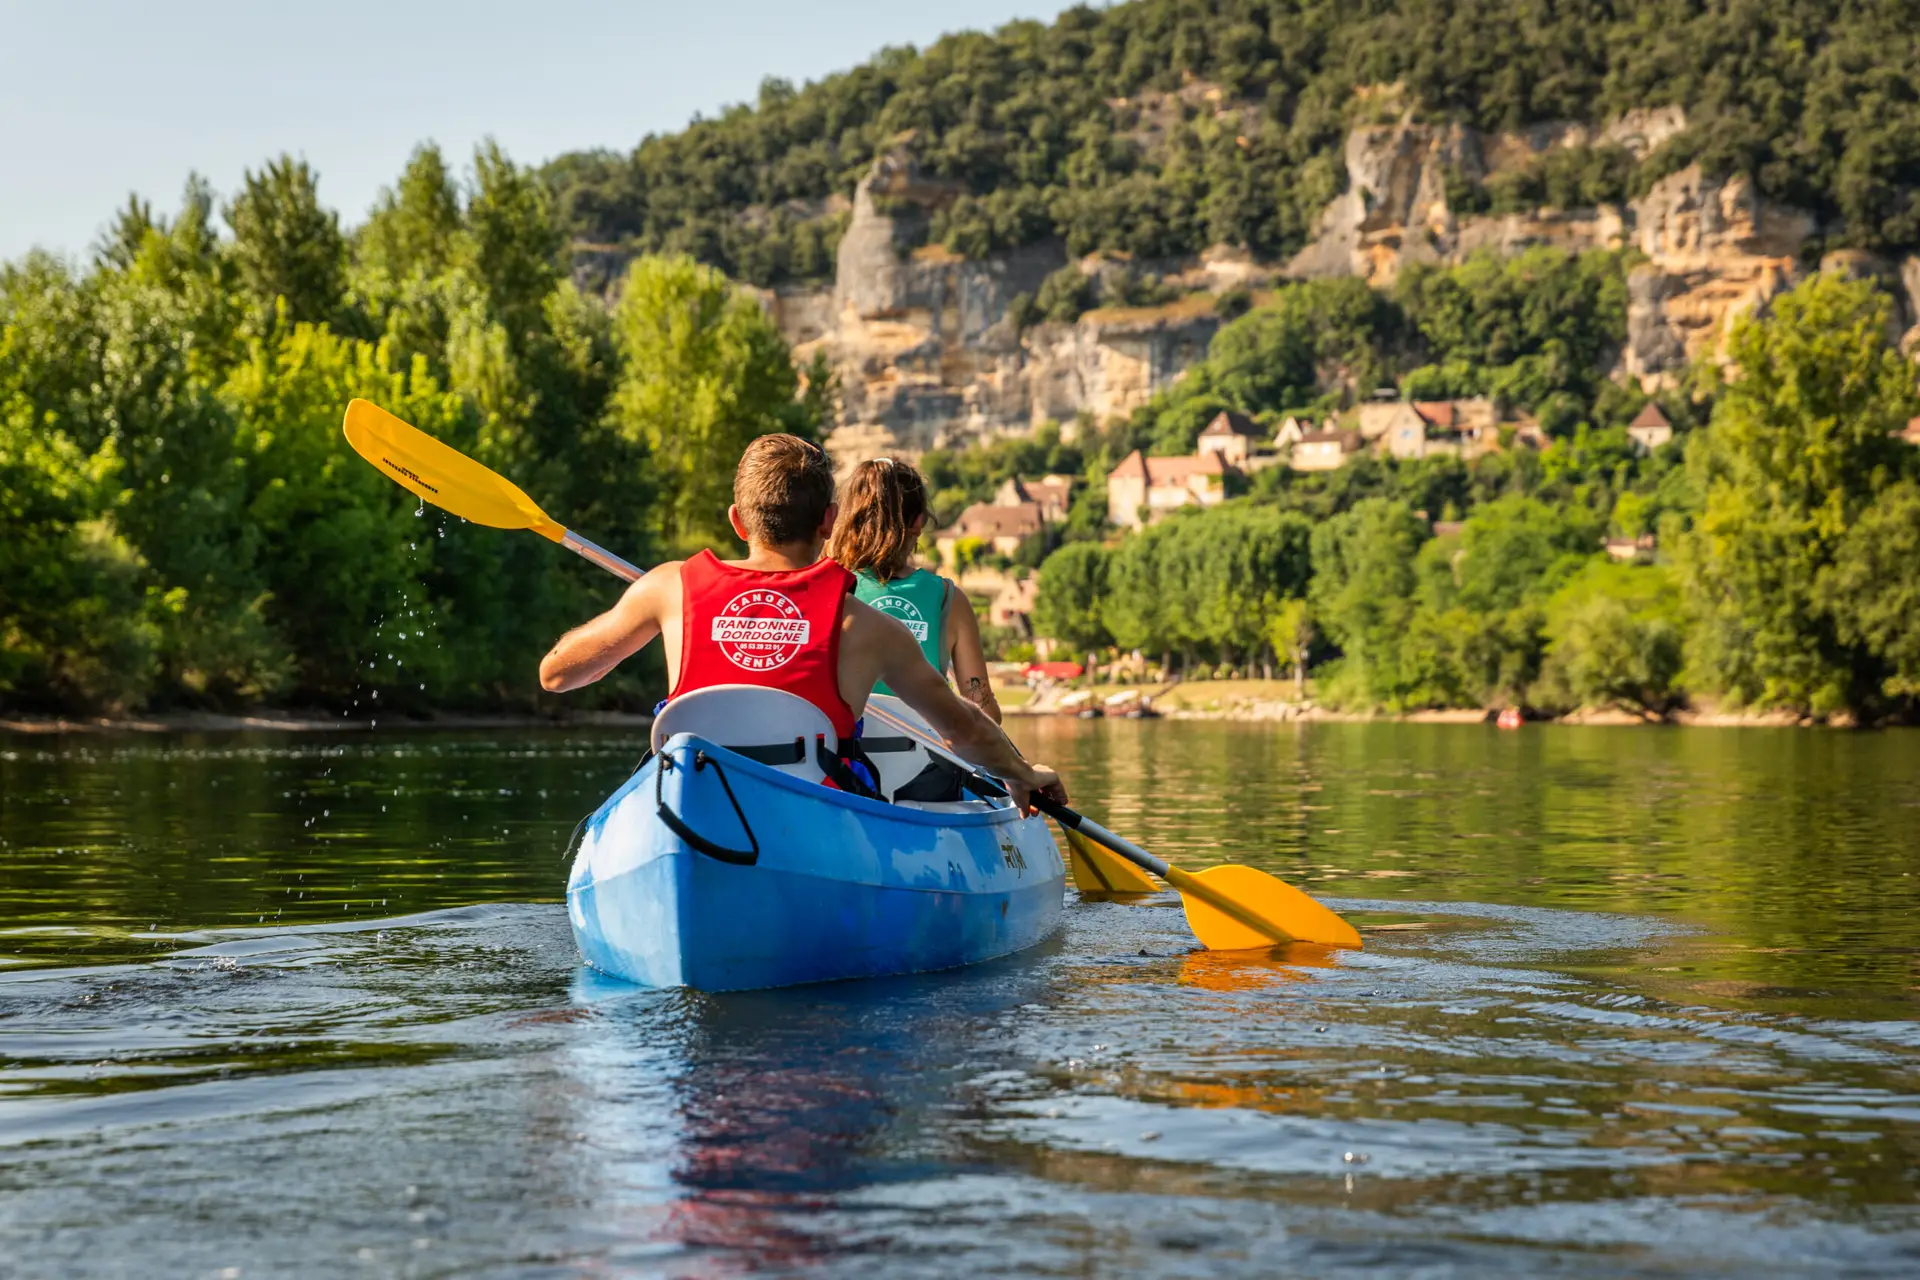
(100,99)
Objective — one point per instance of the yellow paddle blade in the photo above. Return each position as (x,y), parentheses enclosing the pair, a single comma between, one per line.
(1214,897)
(441,474)
(1097,871)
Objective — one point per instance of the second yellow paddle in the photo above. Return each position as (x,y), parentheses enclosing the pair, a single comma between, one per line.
(1229,908)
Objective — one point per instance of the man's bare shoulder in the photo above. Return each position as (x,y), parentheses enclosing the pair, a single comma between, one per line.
(658,585)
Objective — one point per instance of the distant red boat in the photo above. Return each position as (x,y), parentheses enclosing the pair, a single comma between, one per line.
(1055,670)
(1510,718)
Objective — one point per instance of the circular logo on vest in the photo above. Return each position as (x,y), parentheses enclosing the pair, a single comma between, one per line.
(903,609)
(760,630)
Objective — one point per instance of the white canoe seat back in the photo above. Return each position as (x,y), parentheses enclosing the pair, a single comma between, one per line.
(759,723)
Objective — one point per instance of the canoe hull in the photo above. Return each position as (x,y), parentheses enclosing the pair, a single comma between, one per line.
(842,887)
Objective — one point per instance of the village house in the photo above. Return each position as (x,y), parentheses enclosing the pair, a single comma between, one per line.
(1639,550)
(998,529)
(1012,605)
(1231,435)
(1142,489)
(1290,432)
(1053,494)
(1528,432)
(1649,429)
(1325,450)
(1911,432)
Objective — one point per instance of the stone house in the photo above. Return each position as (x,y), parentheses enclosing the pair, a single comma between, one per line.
(1000,529)
(1053,494)
(1325,450)
(1432,428)
(1290,432)
(1911,432)
(1231,435)
(1142,489)
(1640,549)
(1012,605)
(1649,429)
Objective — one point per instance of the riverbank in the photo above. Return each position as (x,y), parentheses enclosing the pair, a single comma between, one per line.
(312,722)
(1273,700)
(1250,700)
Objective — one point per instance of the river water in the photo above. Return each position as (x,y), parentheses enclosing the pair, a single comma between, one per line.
(1633,1001)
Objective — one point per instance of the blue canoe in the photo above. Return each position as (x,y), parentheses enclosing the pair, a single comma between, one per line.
(711,870)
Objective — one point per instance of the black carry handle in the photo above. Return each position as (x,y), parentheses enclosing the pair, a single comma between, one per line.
(677,825)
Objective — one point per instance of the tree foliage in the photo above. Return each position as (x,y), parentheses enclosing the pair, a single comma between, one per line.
(1801,446)
(1160,127)
(181,522)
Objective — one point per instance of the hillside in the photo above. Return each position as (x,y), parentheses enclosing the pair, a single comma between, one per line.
(907,216)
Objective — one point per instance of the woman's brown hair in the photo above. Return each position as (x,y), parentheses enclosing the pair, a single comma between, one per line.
(878,508)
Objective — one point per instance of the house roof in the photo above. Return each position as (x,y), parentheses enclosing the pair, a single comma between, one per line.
(1159,471)
(1438,413)
(984,520)
(1229,423)
(1650,416)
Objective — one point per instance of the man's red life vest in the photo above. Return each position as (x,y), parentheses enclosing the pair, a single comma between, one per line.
(777,630)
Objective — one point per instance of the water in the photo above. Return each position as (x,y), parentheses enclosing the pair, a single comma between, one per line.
(1633,1002)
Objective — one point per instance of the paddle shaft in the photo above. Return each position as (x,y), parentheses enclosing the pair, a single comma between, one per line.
(597,554)
(1184,881)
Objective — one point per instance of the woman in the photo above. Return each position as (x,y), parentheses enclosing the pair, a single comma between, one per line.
(883,510)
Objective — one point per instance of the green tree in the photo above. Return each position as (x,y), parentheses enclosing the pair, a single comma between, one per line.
(1872,588)
(705,372)
(1291,632)
(1800,445)
(1615,637)
(1362,592)
(1072,589)
(287,246)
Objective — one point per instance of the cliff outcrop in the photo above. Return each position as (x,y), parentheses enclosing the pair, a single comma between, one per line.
(926,349)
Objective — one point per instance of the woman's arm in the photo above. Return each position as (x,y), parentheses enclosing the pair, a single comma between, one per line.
(969,660)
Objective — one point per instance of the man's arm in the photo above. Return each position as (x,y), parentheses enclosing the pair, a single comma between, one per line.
(973,736)
(594,648)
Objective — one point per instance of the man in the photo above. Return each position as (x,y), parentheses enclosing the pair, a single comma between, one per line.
(783,618)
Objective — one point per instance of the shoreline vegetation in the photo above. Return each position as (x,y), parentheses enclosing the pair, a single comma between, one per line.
(1262,701)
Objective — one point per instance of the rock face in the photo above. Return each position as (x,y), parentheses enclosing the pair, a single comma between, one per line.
(927,355)
(1714,249)
(924,348)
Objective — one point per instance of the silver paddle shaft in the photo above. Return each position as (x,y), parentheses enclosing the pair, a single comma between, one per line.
(599,555)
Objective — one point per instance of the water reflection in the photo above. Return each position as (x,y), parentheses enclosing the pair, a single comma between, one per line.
(1628,1001)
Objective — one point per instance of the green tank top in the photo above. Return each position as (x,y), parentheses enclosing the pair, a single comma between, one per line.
(919,601)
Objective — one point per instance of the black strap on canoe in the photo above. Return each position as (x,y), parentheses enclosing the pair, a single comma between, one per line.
(880,746)
(777,754)
(677,825)
(839,774)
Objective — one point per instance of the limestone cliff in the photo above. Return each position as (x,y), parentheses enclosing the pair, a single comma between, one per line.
(924,348)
